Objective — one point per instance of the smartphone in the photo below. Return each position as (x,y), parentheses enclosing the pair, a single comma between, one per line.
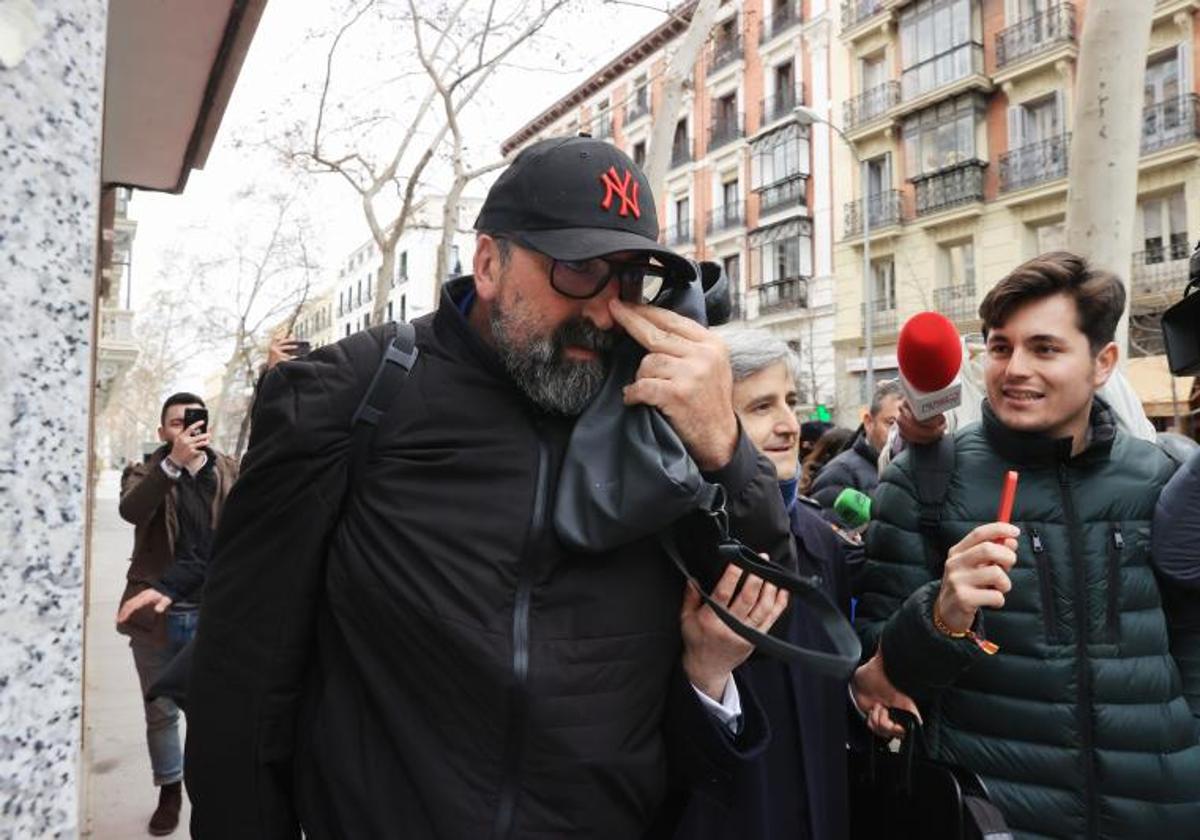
(195,415)
(301,348)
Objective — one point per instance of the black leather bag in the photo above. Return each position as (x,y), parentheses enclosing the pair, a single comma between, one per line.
(626,476)
(906,795)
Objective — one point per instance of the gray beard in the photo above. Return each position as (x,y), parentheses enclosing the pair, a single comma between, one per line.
(542,371)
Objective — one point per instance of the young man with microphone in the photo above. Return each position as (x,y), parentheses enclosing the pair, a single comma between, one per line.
(1038,651)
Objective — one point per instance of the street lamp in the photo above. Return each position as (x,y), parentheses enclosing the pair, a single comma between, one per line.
(808,116)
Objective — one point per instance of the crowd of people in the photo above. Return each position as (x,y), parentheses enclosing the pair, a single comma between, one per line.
(385,635)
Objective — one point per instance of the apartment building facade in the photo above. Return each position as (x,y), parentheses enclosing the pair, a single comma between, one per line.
(412,291)
(739,189)
(961,110)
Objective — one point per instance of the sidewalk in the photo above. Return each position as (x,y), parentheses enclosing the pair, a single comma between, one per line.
(120,795)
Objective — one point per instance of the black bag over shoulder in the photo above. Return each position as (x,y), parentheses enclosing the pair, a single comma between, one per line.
(906,795)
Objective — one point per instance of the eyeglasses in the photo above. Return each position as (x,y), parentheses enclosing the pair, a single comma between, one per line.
(640,281)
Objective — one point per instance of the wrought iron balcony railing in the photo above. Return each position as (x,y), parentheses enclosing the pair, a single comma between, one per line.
(1171,122)
(727,217)
(779,21)
(958,303)
(680,234)
(955,185)
(1035,163)
(779,295)
(886,209)
(724,52)
(725,130)
(1159,275)
(884,320)
(780,105)
(855,12)
(941,70)
(870,105)
(1035,34)
(786,193)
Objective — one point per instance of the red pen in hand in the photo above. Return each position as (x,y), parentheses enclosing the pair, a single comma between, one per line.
(1007,496)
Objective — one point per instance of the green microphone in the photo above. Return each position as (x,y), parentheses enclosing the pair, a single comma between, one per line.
(853,508)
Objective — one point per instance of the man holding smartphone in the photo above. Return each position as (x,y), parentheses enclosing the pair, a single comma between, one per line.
(174,500)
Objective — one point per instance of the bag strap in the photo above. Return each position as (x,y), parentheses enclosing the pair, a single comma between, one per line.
(984,820)
(397,362)
(802,589)
(933,466)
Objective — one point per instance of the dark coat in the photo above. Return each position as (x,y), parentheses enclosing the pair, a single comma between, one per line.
(148,503)
(1176,534)
(441,666)
(797,789)
(1078,725)
(857,467)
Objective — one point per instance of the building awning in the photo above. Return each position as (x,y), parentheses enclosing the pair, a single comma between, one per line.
(1151,381)
(170,69)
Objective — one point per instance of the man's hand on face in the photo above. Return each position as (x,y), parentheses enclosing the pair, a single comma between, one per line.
(976,574)
(710,649)
(686,376)
(874,694)
(189,444)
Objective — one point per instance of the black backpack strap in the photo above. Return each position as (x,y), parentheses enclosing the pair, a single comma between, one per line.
(984,820)
(398,360)
(933,466)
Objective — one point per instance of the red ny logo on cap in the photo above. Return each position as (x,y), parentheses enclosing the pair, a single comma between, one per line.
(613,185)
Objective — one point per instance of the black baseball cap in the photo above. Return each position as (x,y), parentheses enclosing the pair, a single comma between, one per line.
(574,198)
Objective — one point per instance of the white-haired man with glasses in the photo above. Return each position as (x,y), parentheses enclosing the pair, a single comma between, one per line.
(429,659)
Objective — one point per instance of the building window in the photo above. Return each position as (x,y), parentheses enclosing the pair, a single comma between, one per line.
(360,298)
(455,262)
(1164,227)
(639,154)
(940,137)
(783,251)
(781,156)
(370,287)
(347,328)
(403,307)
(1163,78)
(1034,122)
(733,269)
(681,150)
(730,195)
(936,45)
(883,272)
(957,270)
(389,315)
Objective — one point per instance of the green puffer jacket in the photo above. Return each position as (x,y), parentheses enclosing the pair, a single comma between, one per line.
(1078,726)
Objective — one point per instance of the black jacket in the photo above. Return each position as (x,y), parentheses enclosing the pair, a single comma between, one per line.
(797,790)
(1176,536)
(857,467)
(450,670)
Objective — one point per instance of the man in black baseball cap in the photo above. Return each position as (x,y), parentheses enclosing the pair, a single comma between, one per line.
(427,659)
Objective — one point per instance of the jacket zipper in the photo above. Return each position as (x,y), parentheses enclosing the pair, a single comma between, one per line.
(1045,585)
(519,703)
(1084,692)
(1116,548)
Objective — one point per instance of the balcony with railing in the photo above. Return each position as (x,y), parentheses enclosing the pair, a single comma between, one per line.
(951,187)
(1036,163)
(855,12)
(681,153)
(958,303)
(780,195)
(781,295)
(884,320)
(1172,122)
(726,217)
(603,127)
(782,104)
(870,105)
(783,18)
(954,65)
(1035,35)
(724,51)
(637,109)
(886,209)
(725,130)
(1159,276)
(680,233)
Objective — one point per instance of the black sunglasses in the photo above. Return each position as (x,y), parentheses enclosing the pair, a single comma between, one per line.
(640,281)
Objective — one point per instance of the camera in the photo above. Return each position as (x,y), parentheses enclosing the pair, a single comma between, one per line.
(1181,325)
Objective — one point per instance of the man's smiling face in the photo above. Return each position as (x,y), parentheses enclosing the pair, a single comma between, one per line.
(1041,373)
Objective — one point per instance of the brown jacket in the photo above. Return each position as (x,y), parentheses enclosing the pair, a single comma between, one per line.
(148,502)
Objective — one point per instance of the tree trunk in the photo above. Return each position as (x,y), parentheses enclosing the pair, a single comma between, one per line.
(383,279)
(449,229)
(679,71)
(1106,137)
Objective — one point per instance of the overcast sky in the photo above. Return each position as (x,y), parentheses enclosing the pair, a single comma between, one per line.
(283,54)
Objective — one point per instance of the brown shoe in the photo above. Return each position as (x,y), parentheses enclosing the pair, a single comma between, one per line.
(166,815)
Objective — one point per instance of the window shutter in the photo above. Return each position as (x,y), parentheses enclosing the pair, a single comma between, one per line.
(1016,127)
(1184,53)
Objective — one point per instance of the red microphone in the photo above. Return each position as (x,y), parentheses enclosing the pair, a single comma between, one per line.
(930,355)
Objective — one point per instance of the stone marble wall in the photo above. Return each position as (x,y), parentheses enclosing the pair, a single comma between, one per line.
(50,133)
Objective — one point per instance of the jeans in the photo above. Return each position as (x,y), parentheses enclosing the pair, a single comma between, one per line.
(162,715)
